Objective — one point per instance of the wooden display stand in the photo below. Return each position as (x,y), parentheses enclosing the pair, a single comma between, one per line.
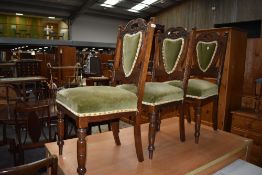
(214,152)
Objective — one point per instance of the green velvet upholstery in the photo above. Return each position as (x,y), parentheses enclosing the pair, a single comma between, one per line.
(131,47)
(205,54)
(156,93)
(171,53)
(97,100)
(197,88)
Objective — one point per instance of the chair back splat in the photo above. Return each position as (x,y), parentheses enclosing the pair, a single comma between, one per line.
(171,51)
(207,55)
(131,64)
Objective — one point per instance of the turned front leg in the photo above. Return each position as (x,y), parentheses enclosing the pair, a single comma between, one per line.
(60,130)
(81,151)
(198,122)
(152,134)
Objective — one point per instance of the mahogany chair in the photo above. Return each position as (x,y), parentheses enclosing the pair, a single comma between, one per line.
(33,168)
(33,120)
(206,54)
(8,97)
(101,103)
(170,52)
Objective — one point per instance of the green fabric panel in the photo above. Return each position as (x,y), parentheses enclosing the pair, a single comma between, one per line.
(176,83)
(171,50)
(95,99)
(197,88)
(205,52)
(156,92)
(130,48)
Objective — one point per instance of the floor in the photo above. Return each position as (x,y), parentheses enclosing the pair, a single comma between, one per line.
(215,150)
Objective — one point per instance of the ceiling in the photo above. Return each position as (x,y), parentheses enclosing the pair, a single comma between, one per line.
(70,9)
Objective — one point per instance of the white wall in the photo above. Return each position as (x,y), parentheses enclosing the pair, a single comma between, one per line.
(95,29)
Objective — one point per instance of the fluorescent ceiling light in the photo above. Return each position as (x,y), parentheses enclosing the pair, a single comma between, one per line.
(141,5)
(112,2)
(148,2)
(106,5)
(132,10)
(51,17)
(19,14)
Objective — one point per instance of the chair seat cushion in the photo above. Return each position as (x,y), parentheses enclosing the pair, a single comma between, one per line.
(156,93)
(97,100)
(197,88)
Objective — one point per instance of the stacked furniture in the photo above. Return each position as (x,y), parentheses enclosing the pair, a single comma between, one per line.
(247,119)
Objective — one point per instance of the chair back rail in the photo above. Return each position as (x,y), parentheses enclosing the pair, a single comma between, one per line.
(33,168)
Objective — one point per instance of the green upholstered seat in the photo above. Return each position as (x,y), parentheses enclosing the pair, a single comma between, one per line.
(131,47)
(205,54)
(97,100)
(156,93)
(197,88)
(171,51)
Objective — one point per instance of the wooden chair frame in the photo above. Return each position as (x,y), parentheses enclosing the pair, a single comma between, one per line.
(214,71)
(138,77)
(160,75)
(33,167)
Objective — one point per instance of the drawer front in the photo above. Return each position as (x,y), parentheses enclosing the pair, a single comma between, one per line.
(256,137)
(247,123)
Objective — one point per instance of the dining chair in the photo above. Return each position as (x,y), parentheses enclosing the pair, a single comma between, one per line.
(33,168)
(101,103)
(206,53)
(8,97)
(170,52)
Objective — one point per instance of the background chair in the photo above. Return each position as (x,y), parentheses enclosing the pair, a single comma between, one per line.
(8,98)
(206,54)
(170,51)
(101,103)
(33,168)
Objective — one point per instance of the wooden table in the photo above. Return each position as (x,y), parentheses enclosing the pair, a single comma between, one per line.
(20,81)
(215,150)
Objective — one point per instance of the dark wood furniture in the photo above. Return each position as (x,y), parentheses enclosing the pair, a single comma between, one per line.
(19,83)
(205,62)
(34,117)
(230,92)
(258,95)
(27,67)
(7,69)
(8,98)
(30,113)
(73,80)
(136,75)
(167,66)
(33,168)
(248,124)
(253,72)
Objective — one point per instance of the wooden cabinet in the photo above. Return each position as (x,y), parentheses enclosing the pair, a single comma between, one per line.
(249,124)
